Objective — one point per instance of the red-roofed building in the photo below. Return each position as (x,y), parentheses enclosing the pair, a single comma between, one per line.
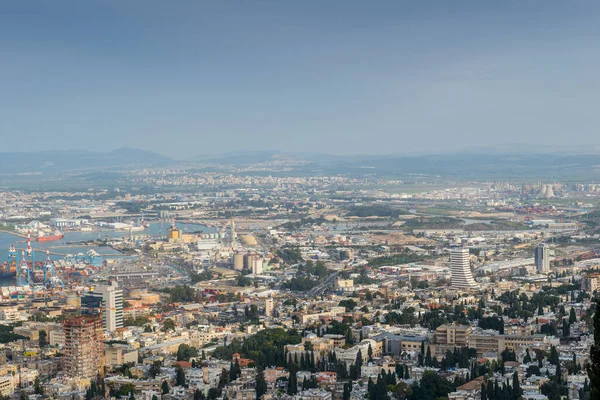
(183,364)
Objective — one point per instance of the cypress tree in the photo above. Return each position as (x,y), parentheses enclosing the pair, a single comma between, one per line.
(346,395)
(293,383)
(527,358)
(371,388)
(566,329)
(490,390)
(428,357)
(516,386)
(358,363)
(261,384)
(572,316)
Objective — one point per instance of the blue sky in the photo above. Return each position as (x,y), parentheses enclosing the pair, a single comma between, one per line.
(343,77)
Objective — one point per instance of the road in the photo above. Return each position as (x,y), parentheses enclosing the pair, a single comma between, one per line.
(318,290)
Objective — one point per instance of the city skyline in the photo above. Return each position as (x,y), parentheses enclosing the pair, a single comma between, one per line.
(190,79)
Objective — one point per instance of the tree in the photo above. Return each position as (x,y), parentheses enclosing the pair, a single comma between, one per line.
(370,353)
(572,316)
(234,371)
(165,387)
(43,342)
(527,358)
(566,328)
(198,395)
(168,325)
(431,387)
(213,393)
(156,398)
(358,364)
(154,369)
(491,394)
(516,386)
(554,359)
(483,392)
(223,379)
(185,352)
(260,385)
(179,376)
(293,383)
(126,389)
(37,387)
(347,390)
(428,357)
(402,391)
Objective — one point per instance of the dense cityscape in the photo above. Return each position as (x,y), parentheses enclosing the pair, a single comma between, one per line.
(299,200)
(241,286)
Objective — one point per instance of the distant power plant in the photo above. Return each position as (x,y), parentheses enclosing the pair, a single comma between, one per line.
(546,192)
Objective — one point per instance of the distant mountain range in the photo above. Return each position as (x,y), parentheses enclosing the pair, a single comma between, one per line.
(475,164)
(56,161)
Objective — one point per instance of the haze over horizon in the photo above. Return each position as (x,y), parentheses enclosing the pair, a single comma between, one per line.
(183,79)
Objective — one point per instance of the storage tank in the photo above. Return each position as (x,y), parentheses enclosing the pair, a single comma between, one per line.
(238,262)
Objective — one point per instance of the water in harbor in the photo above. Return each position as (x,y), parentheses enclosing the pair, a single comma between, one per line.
(71,242)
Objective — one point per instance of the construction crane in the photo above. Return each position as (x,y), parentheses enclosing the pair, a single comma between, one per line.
(49,266)
(23,272)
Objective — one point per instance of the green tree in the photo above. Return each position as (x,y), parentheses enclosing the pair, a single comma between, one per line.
(347,391)
(168,325)
(293,383)
(527,358)
(185,352)
(43,342)
(358,364)
(402,391)
(431,387)
(516,387)
(37,387)
(155,369)
(261,384)
(127,388)
(165,387)
(198,395)
(428,357)
(179,376)
(572,316)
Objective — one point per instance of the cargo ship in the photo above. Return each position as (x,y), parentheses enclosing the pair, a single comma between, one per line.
(8,270)
(48,238)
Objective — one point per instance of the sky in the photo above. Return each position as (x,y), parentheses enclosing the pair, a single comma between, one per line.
(185,78)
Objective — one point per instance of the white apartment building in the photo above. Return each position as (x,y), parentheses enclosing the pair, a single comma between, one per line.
(460,266)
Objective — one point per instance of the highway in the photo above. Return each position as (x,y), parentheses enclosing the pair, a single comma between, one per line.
(318,290)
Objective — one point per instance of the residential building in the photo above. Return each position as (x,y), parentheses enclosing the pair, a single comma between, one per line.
(109,299)
(84,346)
(460,266)
(542,258)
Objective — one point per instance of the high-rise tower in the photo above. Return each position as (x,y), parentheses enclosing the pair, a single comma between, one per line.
(108,299)
(542,258)
(84,346)
(460,266)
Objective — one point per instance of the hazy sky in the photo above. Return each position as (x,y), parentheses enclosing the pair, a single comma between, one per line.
(343,77)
